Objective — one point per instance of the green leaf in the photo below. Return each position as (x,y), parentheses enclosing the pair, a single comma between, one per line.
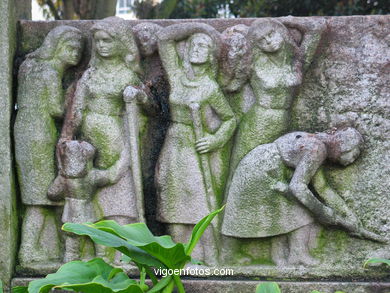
(19,289)
(171,254)
(268,287)
(1,286)
(94,276)
(199,229)
(110,240)
(376,261)
(126,259)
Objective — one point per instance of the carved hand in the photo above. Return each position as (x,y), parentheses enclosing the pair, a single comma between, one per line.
(207,144)
(55,192)
(130,93)
(351,223)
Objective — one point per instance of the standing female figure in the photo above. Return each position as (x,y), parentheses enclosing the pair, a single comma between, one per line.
(41,106)
(98,112)
(201,123)
(278,64)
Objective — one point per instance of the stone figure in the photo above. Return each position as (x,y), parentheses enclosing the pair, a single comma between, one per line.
(99,115)
(193,162)
(277,67)
(259,206)
(41,107)
(76,183)
(236,59)
(154,126)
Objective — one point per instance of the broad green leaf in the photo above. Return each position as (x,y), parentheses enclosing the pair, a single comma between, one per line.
(171,254)
(94,276)
(125,258)
(199,229)
(268,287)
(377,261)
(1,286)
(110,240)
(19,289)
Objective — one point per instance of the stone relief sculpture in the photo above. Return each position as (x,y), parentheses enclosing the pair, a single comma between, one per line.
(193,162)
(155,127)
(100,116)
(186,89)
(236,59)
(259,205)
(277,67)
(76,183)
(41,106)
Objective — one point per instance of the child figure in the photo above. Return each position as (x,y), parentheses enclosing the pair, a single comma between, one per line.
(77,183)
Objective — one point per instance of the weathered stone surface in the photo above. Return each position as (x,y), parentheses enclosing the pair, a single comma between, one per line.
(41,107)
(346,84)
(8,217)
(23,9)
(244,286)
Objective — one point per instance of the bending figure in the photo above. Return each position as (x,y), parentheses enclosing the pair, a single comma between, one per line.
(264,200)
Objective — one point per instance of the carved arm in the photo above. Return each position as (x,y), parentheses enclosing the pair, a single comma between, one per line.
(304,172)
(312,33)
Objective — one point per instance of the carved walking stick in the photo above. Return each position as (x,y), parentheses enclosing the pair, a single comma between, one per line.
(205,165)
(211,199)
(132,112)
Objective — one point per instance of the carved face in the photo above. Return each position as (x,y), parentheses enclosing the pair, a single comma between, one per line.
(200,45)
(148,42)
(348,142)
(238,46)
(69,52)
(348,157)
(106,46)
(270,42)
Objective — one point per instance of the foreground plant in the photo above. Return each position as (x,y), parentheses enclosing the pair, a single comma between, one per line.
(268,287)
(377,261)
(272,287)
(88,277)
(139,245)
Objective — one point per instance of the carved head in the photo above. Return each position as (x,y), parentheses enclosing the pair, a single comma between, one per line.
(63,43)
(200,48)
(269,35)
(76,158)
(236,57)
(113,38)
(345,145)
(146,35)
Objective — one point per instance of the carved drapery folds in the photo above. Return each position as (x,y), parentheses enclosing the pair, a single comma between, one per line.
(169,122)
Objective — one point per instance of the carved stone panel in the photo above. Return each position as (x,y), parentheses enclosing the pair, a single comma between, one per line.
(285,121)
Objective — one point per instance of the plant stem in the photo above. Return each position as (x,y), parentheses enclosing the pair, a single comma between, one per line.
(169,288)
(179,284)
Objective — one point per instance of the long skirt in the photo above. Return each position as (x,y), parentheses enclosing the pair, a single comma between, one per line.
(256,206)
